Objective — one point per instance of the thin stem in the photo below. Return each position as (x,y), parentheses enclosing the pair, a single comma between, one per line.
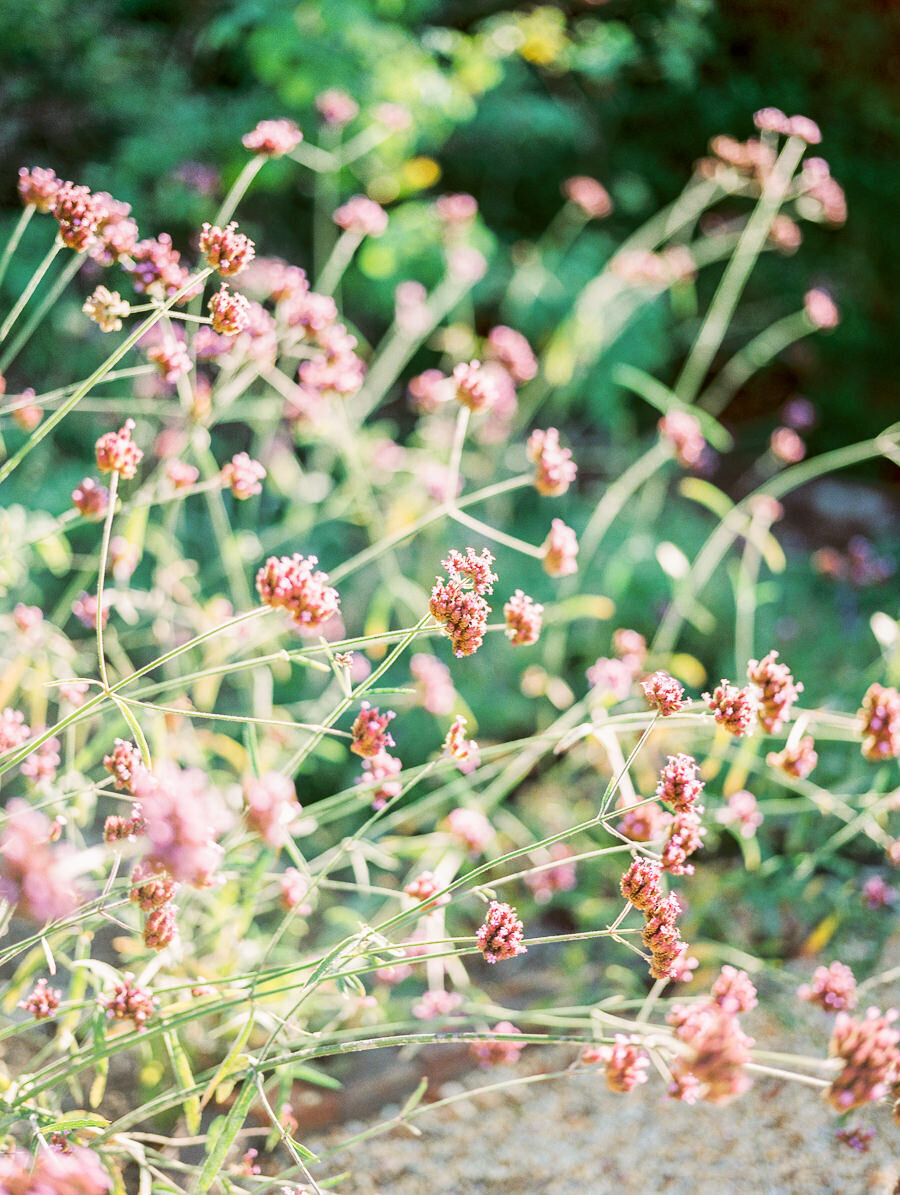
(752,357)
(101,576)
(239,189)
(13,243)
(14,348)
(340,257)
(500,537)
(29,290)
(459,439)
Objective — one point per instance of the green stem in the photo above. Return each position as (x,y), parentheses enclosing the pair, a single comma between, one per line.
(29,290)
(340,257)
(500,537)
(459,440)
(238,189)
(15,347)
(752,357)
(101,576)
(13,243)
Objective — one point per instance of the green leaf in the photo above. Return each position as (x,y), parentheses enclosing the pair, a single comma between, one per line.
(136,731)
(182,1069)
(230,1063)
(223,1140)
(416,1098)
(76,1120)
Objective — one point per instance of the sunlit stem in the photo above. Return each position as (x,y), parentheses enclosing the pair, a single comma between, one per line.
(29,290)
(13,243)
(340,257)
(101,576)
(459,439)
(499,537)
(752,357)
(239,189)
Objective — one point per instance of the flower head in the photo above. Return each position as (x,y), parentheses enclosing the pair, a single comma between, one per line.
(555,468)
(271,806)
(471,827)
(43,1000)
(273,138)
(458,747)
(38,188)
(129,1002)
(523,619)
(680,784)
(370,731)
(229,311)
(473,385)
(797,759)
(560,549)
(78,214)
(294,584)
(336,107)
(734,708)
(498,1053)
(663,693)
(106,308)
(116,452)
(868,1049)
(244,476)
(777,691)
(225,249)
(500,937)
(833,988)
(184,819)
(362,216)
(879,718)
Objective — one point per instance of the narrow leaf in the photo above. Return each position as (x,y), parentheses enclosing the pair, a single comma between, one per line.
(225,1138)
(182,1069)
(229,1064)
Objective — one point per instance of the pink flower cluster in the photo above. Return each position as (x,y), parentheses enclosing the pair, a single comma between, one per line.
(458,604)
(129,1002)
(626,1063)
(560,549)
(868,1050)
(663,693)
(14,731)
(229,311)
(797,759)
(225,249)
(423,889)
(40,766)
(682,430)
(437,1003)
(75,1171)
(78,214)
(777,691)
(91,498)
(370,731)
(523,619)
(880,723)
(833,988)
(336,107)
(294,584)
(183,820)
(36,873)
(271,806)
(472,829)
(712,1069)
(156,270)
(640,885)
(124,764)
(458,747)
(362,216)
(474,386)
(509,349)
(434,684)
(43,1000)
(680,784)
(116,452)
(244,476)
(272,138)
(498,1053)
(555,468)
(734,708)
(741,810)
(38,187)
(380,769)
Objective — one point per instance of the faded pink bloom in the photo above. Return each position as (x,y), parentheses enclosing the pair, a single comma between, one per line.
(777,691)
(394,116)
(458,747)
(498,1053)
(171,358)
(611,678)
(680,784)
(225,249)
(879,718)
(544,884)
(38,188)
(868,1049)
(181,474)
(161,927)
(124,764)
(511,350)
(40,766)
(771,120)
(640,885)
(129,1002)
(370,731)
(271,806)
(151,889)
(630,647)
(74,692)
(14,731)
(273,138)
(436,1003)
(472,829)
(36,873)
(734,991)
(423,889)
(73,1171)
(560,549)
(821,310)
(27,617)
(411,311)
(118,829)
(877,893)
(305,308)
(336,107)
(380,768)
(785,234)
(555,468)
(472,571)
(741,810)
(106,308)
(116,232)
(435,686)
(184,819)
(589,195)
(663,693)
(719,1050)
(523,619)
(626,1064)
(91,498)
(85,608)
(294,584)
(786,446)
(833,988)
(684,838)
(796,760)
(734,708)
(462,614)
(243,475)
(663,938)
(683,432)
(117,453)
(466,264)
(362,216)
(642,822)
(43,1000)
(802,126)
(78,214)
(156,270)
(229,311)
(199,177)
(458,209)
(294,887)
(474,386)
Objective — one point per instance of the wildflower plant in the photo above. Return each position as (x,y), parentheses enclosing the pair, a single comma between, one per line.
(271,549)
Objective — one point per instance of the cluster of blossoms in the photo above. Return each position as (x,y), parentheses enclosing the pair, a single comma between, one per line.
(106,308)
(129,1002)
(625,1063)
(436,1003)
(14,730)
(243,476)
(555,469)
(458,747)
(833,988)
(37,873)
(474,386)
(500,937)
(880,723)
(156,270)
(859,564)
(523,619)
(559,550)
(225,249)
(663,693)
(230,311)
(116,452)
(273,138)
(733,707)
(171,358)
(741,810)
(433,683)
(795,759)
(712,1066)
(124,764)
(640,885)
(91,498)
(73,1171)
(183,819)
(370,731)
(294,584)
(777,691)
(336,107)
(472,829)
(380,770)
(868,1050)
(271,806)
(40,766)
(424,888)
(458,604)
(683,432)
(43,1000)
(153,891)
(361,216)
(492,1052)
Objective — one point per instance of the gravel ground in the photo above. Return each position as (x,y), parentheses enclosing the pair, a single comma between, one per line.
(571,1136)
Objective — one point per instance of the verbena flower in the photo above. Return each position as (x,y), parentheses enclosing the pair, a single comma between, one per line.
(37,874)
(130,1002)
(225,249)
(151,889)
(777,691)
(14,730)
(717,1051)
(43,1000)
(336,107)
(879,718)
(734,708)
(40,766)
(663,693)
(523,619)
(271,806)
(868,1050)
(294,584)
(423,889)
(171,358)
(734,990)
(106,308)
(472,829)
(229,311)
(561,877)
(362,216)
(116,452)
(437,1003)
(273,138)
(124,764)
(156,270)
(434,684)
(555,468)
(510,349)
(626,1064)
(38,187)
(370,731)
(741,810)
(473,385)
(679,783)
(833,988)
(184,819)
(458,747)
(243,476)
(560,549)
(798,759)
(77,1171)
(498,1053)
(685,836)
(381,768)
(78,214)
